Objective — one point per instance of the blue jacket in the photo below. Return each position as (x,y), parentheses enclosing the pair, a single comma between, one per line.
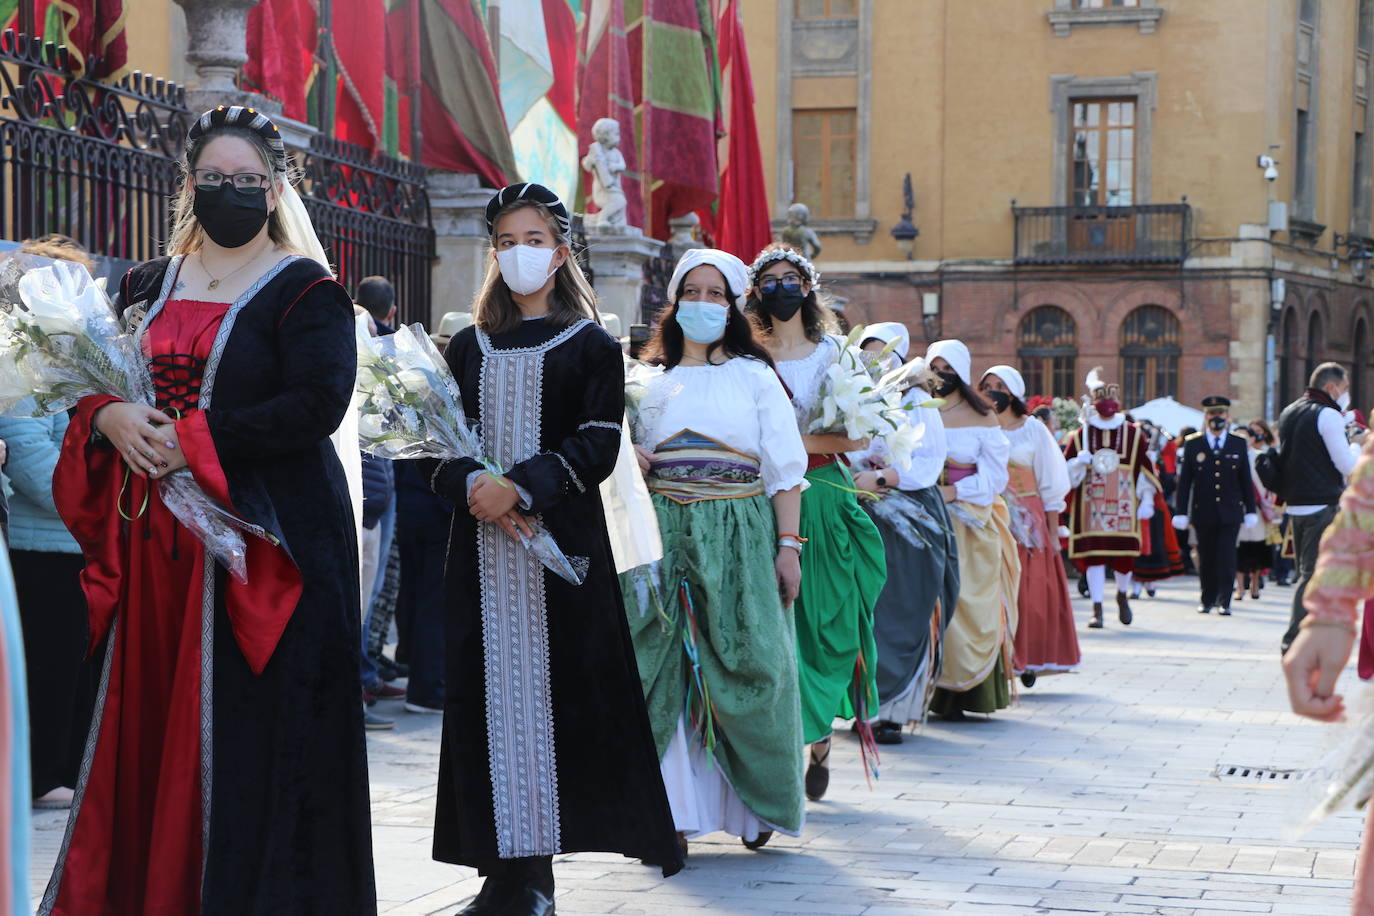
(379,489)
(34,445)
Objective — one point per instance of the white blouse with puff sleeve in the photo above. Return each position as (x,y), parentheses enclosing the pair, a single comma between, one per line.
(987,447)
(1033,445)
(739,403)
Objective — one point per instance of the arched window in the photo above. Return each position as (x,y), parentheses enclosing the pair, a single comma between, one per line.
(1150,348)
(1315,345)
(1047,346)
(1288,359)
(1360,354)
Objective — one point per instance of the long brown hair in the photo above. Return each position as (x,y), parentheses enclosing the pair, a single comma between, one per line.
(572,298)
(666,346)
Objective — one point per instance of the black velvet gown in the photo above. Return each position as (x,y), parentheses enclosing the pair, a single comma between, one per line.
(268,773)
(546,743)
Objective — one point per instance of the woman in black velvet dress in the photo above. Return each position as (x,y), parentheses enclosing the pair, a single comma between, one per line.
(546,747)
(225,771)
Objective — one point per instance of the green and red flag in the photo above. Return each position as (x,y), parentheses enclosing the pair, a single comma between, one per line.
(606,88)
(738,223)
(89,29)
(672,47)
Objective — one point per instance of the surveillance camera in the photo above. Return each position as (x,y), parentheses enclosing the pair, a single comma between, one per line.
(1271,174)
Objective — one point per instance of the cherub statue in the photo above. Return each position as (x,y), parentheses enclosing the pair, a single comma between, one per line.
(798,234)
(605,161)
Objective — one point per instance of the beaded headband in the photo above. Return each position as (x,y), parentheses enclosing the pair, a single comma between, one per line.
(241,117)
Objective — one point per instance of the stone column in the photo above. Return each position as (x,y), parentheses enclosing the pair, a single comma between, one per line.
(618,256)
(457,208)
(217,33)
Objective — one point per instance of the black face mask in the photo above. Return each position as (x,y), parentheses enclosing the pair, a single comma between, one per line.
(1000,400)
(782,303)
(1217,423)
(231,216)
(948,384)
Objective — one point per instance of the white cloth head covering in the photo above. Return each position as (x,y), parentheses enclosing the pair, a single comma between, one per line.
(300,230)
(890,332)
(731,268)
(956,354)
(1011,378)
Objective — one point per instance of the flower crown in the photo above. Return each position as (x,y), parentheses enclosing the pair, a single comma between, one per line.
(773,255)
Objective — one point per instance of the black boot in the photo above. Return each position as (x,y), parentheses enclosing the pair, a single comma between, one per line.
(495,892)
(1123,609)
(533,895)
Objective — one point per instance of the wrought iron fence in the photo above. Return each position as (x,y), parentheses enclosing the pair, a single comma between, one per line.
(1147,234)
(99,162)
(371,212)
(658,271)
(96,161)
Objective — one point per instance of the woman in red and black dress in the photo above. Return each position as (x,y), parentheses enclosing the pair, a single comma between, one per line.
(225,772)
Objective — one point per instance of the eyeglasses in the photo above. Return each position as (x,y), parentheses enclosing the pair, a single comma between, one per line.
(789,282)
(212,180)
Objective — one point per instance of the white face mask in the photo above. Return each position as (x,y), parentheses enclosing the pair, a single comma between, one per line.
(525,268)
(1343,402)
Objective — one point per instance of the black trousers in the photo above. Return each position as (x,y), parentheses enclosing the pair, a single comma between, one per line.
(1216,562)
(420,611)
(1307,535)
(62,681)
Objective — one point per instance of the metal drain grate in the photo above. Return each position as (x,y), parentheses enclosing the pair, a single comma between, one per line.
(1234,772)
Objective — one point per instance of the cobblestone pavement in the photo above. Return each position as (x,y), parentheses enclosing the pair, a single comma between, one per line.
(1096,794)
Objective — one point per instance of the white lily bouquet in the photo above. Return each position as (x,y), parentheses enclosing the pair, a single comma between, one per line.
(412,408)
(60,341)
(857,402)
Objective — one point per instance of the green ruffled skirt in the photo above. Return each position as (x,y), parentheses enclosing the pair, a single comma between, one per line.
(718,584)
(843,572)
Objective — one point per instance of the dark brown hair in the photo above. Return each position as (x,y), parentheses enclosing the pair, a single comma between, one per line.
(666,346)
(572,298)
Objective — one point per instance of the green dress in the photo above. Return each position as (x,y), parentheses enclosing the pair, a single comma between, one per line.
(843,571)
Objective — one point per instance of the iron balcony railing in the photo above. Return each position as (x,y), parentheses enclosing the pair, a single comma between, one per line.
(1146,234)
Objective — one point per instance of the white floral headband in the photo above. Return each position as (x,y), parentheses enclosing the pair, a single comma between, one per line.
(783,254)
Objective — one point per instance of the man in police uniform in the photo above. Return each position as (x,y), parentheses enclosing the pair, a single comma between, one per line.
(1216,495)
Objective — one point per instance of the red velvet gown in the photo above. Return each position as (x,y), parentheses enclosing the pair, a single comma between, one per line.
(137,845)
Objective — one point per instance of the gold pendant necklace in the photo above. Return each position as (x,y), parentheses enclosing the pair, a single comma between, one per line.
(216,281)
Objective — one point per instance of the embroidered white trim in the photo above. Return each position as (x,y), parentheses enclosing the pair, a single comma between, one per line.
(599,424)
(515,634)
(490,349)
(571,473)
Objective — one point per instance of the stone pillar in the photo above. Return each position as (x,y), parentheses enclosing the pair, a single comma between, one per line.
(217,46)
(457,208)
(680,229)
(618,256)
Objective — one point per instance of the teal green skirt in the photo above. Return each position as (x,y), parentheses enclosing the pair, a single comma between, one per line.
(843,572)
(740,695)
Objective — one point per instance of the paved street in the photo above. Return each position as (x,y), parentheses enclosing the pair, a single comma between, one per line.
(1096,794)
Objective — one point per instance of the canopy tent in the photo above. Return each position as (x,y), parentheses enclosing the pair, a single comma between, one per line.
(1168,414)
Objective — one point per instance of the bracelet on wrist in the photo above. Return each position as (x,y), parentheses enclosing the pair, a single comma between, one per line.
(790,540)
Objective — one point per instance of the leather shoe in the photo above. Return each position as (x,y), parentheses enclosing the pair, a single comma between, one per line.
(1123,609)
(885,732)
(1096,622)
(759,841)
(488,901)
(527,902)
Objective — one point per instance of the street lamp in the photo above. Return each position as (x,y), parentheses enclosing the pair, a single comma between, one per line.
(1359,252)
(905,231)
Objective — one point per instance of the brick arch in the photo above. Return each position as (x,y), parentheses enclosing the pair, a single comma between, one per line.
(1361,366)
(1136,295)
(1318,314)
(1065,296)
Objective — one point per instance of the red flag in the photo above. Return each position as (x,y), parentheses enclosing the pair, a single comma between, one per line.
(606,89)
(357,29)
(739,223)
(561,26)
(282,35)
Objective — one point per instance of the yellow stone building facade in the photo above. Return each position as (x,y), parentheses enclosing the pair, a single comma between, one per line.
(1087,181)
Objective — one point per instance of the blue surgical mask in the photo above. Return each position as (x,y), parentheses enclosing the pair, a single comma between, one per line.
(702,322)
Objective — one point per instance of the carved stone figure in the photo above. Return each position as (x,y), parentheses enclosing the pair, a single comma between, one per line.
(605,161)
(798,234)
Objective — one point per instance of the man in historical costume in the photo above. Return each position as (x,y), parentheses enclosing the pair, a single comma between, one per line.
(1216,494)
(1113,488)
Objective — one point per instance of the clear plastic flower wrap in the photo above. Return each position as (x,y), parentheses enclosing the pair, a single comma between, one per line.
(1343,779)
(858,402)
(60,341)
(412,408)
